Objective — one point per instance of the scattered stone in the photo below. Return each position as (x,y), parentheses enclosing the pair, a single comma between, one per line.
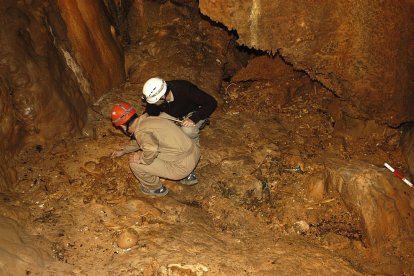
(127,239)
(90,165)
(301,227)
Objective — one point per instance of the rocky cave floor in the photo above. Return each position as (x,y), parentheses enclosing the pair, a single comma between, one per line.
(252,212)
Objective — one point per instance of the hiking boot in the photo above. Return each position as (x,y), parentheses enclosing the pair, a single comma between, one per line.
(158,192)
(191,179)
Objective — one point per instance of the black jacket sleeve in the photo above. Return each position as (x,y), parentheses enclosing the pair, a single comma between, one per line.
(206,104)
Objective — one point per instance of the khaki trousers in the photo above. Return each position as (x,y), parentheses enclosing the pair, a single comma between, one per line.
(192,132)
(182,166)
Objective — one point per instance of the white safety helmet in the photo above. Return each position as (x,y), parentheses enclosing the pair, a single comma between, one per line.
(154,89)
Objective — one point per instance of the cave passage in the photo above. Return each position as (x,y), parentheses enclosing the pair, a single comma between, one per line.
(291,175)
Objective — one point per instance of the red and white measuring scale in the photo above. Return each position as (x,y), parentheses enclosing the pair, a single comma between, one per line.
(399,175)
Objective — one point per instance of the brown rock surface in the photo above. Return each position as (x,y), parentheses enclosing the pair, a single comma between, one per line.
(365,56)
(265,82)
(407,147)
(52,63)
(380,199)
(24,254)
(200,46)
(94,48)
(253,211)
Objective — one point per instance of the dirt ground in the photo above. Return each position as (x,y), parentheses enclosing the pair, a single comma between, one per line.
(250,214)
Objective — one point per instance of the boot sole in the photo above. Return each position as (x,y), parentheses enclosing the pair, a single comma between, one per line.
(190,183)
(155,194)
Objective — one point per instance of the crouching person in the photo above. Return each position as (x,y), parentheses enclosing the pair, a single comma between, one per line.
(160,149)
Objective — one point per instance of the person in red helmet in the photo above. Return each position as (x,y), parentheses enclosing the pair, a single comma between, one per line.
(160,149)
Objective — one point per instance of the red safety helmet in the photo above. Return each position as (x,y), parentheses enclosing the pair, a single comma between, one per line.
(121,113)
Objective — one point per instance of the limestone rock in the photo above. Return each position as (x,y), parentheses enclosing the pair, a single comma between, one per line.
(55,59)
(379,198)
(301,227)
(127,240)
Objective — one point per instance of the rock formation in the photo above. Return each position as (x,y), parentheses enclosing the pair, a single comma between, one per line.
(360,50)
(55,59)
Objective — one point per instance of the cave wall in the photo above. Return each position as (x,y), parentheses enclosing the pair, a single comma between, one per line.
(361,50)
(93,46)
(56,57)
(407,148)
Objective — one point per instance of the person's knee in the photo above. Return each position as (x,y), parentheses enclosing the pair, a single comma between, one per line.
(136,168)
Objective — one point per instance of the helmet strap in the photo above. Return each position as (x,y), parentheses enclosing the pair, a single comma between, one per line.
(129,123)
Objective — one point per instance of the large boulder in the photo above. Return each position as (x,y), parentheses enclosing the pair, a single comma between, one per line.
(382,201)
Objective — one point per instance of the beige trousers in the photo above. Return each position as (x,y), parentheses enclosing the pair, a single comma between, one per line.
(182,166)
(192,132)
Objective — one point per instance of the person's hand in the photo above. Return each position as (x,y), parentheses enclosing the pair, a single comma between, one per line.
(187,123)
(117,153)
(135,157)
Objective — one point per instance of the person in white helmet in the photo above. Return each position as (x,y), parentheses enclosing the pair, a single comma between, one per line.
(179,101)
(159,149)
